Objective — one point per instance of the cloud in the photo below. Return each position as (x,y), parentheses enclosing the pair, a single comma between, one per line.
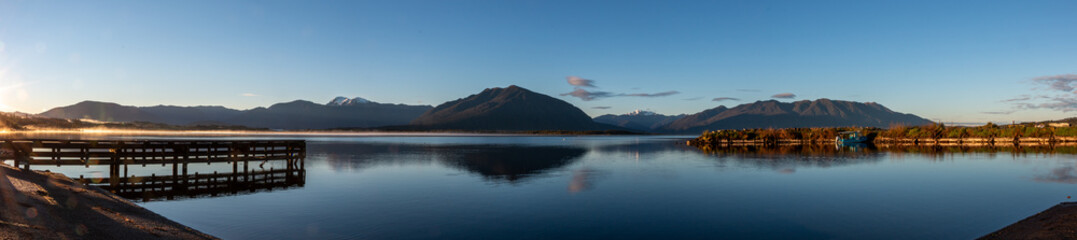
(1064,104)
(249,95)
(661,94)
(784,95)
(719,99)
(601,107)
(593,95)
(999,112)
(580,82)
(1064,82)
(588,95)
(1065,98)
(1018,99)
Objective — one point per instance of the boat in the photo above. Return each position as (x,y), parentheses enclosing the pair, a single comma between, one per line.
(850,137)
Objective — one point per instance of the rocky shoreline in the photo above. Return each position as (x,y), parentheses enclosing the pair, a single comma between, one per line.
(1058,222)
(45,205)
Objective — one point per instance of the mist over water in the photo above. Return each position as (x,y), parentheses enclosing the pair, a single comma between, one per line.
(587,187)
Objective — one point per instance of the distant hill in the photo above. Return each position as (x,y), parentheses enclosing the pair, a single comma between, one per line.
(775,114)
(302,114)
(639,120)
(507,109)
(102,111)
(23,121)
(176,115)
(299,114)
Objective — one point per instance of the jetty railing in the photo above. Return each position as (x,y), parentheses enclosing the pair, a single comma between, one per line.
(177,154)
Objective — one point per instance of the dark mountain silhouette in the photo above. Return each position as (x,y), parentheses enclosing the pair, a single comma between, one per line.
(507,109)
(496,109)
(300,114)
(774,114)
(177,115)
(639,120)
(102,111)
(297,114)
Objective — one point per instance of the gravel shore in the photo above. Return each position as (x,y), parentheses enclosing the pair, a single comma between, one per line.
(1058,222)
(44,205)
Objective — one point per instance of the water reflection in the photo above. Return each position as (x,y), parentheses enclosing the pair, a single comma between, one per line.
(583,180)
(420,188)
(152,188)
(1066,175)
(511,163)
(357,156)
(786,158)
(508,163)
(646,147)
(939,151)
(825,155)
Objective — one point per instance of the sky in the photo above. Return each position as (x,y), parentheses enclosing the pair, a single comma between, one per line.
(954,62)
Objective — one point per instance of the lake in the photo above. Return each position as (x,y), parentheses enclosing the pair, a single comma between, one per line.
(629,187)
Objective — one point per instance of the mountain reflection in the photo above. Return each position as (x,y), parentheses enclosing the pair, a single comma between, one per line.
(357,156)
(510,163)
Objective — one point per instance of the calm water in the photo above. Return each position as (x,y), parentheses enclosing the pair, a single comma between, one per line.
(483,187)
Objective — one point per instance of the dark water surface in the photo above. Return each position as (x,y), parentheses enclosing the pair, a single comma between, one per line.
(527,187)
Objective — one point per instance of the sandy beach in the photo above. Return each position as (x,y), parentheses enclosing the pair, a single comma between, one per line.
(45,205)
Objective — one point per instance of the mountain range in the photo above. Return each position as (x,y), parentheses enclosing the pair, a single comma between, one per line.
(800,114)
(298,114)
(512,108)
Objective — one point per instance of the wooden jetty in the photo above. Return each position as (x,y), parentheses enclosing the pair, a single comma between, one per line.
(176,154)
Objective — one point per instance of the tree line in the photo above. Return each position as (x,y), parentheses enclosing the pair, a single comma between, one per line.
(932,131)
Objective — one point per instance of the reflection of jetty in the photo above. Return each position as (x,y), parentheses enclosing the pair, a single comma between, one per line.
(118,154)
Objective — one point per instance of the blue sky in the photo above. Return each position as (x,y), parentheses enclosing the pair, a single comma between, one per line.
(973,61)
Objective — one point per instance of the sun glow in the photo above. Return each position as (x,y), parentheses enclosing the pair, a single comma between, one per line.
(11,88)
(5,107)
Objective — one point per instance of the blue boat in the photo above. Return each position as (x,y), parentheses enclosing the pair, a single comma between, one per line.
(850,137)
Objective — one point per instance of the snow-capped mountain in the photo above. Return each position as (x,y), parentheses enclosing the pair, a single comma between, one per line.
(343,101)
(641,113)
(639,120)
